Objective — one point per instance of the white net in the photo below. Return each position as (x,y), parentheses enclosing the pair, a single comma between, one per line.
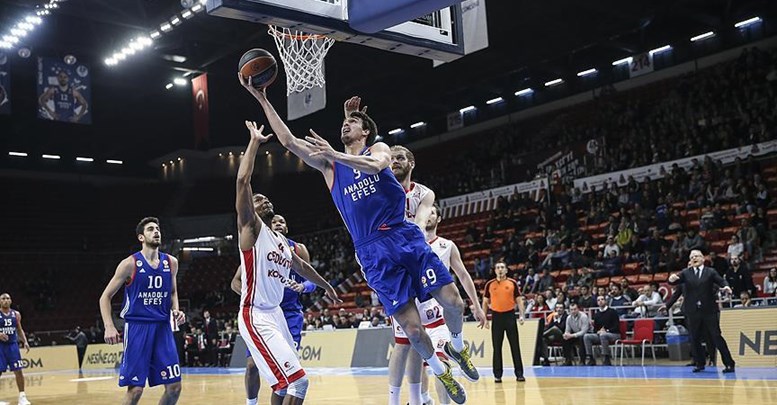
(303,57)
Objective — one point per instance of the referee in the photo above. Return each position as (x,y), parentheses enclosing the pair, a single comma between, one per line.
(500,295)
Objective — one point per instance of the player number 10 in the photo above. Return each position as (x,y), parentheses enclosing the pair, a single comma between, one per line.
(431,276)
(155,282)
(174,371)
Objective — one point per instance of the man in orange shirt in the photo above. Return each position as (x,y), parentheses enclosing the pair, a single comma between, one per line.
(501,294)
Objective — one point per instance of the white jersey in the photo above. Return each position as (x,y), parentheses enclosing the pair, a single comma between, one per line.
(431,313)
(413,197)
(442,248)
(265,271)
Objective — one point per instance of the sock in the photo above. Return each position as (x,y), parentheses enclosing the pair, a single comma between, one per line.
(437,366)
(254,401)
(425,397)
(457,341)
(393,395)
(415,394)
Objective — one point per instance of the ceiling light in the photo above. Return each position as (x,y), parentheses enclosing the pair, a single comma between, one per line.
(84,159)
(175,20)
(187,14)
(55,157)
(467,109)
(136,45)
(155,34)
(33,19)
(10,39)
(110,61)
(168,86)
(524,92)
(18,32)
(114,162)
(587,72)
(495,100)
(747,22)
(19,154)
(197,8)
(5,44)
(418,124)
(703,36)
(395,131)
(166,27)
(660,49)
(623,61)
(179,81)
(553,82)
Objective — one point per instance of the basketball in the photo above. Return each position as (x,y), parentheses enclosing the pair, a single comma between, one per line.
(260,66)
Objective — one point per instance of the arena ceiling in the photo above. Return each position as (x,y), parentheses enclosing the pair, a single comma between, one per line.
(137,119)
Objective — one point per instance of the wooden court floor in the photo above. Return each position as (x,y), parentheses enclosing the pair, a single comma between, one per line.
(342,388)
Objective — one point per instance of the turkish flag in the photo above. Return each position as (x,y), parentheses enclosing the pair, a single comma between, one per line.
(201,116)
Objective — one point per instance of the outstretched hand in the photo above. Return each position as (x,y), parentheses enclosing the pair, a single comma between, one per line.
(353,104)
(320,146)
(256,133)
(332,294)
(259,94)
(673,278)
(480,316)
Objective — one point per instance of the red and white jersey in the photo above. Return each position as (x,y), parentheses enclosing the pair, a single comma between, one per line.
(431,313)
(442,248)
(413,197)
(265,270)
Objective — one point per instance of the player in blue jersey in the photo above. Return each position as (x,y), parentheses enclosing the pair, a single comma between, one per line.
(11,335)
(291,306)
(150,297)
(64,98)
(396,261)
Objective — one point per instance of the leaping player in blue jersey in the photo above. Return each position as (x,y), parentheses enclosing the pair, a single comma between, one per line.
(150,297)
(291,306)
(11,335)
(396,261)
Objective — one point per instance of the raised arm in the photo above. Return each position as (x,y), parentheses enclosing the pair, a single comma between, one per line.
(122,275)
(247,220)
(469,286)
(295,145)
(378,159)
(424,210)
(22,335)
(352,105)
(308,272)
(179,316)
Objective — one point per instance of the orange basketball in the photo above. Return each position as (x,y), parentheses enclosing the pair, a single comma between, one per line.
(260,66)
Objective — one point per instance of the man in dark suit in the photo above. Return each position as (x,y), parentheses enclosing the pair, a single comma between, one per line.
(701,308)
(211,331)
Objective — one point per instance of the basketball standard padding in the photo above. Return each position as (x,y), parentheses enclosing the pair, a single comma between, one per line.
(260,66)
(372,16)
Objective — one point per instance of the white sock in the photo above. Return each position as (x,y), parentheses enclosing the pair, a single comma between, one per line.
(425,397)
(254,401)
(394,395)
(457,341)
(415,394)
(437,366)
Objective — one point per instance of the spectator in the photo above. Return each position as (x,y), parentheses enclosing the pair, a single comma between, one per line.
(546,281)
(739,277)
(574,278)
(211,331)
(667,260)
(586,299)
(627,290)
(745,301)
(748,236)
(577,325)
(618,300)
(610,247)
(735,247)
(555,325)
(326,318)
(647,304)
(693,241)
(539,308)
(770,282)
(719,263)
(606,331)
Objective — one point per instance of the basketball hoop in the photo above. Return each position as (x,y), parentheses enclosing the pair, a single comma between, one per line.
(303,57)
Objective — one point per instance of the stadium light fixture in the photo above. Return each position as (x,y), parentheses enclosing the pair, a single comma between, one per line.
(624,61)
(114,162)
(495,100)
(53,157)
(17,154)
(179,81)
(168,86)
(175,20)
(197,8)
(554,82)
(166,27)
(155,34)
(418,124)
(524,92)
(84,159)
(187,14)
(588,72)
(749,21)
(467,109)
(660,49)
(700,37)
(396,131)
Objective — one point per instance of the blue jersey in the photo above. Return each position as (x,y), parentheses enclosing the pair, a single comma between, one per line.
(147,295)
(291,298)
(8,325)
(64,102)
(368,203)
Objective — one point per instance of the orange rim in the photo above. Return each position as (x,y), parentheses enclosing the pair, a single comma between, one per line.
(278,33)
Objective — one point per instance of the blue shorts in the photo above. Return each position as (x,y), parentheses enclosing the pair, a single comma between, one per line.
(401,266)
(294,320)
(10,357)
(149,353)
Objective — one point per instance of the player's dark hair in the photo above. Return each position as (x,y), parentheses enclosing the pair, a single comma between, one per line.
(408,153)
(143,222)
(367,124)
(437,208)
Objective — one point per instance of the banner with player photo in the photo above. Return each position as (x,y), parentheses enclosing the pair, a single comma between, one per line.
(64,91)
(201,114)
(5,84)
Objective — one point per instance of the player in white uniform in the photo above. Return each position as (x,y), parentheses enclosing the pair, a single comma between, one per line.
(420,209)
(266,260)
